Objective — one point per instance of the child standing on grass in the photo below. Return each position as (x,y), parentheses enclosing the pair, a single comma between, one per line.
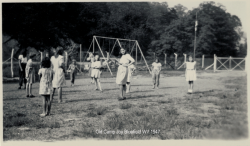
(96,72)
(30,75)
(156,68)
(45,74)
(22,65)
(122,73)
(190,73)
(57,62)
(91,58)
(131,70)
(73,69)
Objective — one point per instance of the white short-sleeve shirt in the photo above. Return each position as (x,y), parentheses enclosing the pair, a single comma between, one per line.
(23,59)
(156,65)
(126,58)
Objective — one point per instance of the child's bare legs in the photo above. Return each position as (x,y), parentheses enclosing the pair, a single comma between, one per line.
(99,84)
(27,89)
(157,80)
(192,85)
(124,88)
(59,94)
(121,90)
(44,106)
(128,87)
(154,79)
(30,89)
(49,103)
(92,80)
(52,94)
(96,86)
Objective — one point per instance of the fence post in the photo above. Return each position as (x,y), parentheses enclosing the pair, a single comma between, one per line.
(80,56)
(108,57)
(215,61)
(175,64)
(230,61)
(202,61)
(136,54)
(41,59)
(12,53)
(246,65)
(185,59)
(66,60)
(165,59)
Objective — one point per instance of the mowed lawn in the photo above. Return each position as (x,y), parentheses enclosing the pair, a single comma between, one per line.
(217,110)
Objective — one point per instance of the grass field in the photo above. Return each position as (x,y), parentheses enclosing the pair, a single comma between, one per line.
(217,110)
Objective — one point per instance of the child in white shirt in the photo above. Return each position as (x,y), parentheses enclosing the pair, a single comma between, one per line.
(156,68)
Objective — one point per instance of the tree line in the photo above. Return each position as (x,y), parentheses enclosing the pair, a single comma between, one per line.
(158,28)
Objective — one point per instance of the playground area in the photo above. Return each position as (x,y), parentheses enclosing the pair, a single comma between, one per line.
(216,110)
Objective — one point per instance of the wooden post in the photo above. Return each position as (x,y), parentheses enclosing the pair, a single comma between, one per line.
(136,54)
(12,53)
(66,60)
(175,64)
(215,62)
(154,55)
(165,59)
(108,57)
(93,45)
(41,59)
(80,56)
(230,62)
(246,64)
(185,59)
(202,61)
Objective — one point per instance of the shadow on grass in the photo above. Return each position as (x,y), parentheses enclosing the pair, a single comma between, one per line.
(140,85)
(145,96)
(86,99)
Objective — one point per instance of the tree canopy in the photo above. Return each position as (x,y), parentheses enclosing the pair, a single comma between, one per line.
(157,27)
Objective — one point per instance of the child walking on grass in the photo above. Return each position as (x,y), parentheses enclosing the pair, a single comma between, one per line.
(190,73)
(96,72)
(45,74)
(91,58)
(73,69)
(156,69)
(30,75)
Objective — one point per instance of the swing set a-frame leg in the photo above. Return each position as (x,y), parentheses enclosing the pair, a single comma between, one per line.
(103,55)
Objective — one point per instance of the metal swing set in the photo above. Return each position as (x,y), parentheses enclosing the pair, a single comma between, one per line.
(110,56)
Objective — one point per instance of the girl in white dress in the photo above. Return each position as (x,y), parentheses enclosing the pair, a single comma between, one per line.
(122,78)
(156,68)
(91,58)
(58,72)
(96,71)
(45,74)
(190,73)
(30,76)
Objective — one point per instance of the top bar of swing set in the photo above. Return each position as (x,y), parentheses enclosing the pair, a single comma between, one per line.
(115,38)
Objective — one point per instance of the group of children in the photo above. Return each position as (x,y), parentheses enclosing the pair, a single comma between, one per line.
(52,75)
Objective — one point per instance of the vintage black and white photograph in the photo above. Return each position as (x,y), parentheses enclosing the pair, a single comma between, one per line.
(149,70)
